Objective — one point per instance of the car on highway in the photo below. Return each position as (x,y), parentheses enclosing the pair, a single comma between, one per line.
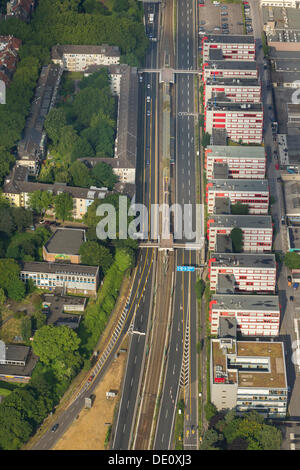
(54,428)
(148,99)
(148,162)
(141,78)
(148,113)
(90,378)
(148,86)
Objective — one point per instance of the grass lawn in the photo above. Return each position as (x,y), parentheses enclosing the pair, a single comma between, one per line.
(74,75)
(10,329)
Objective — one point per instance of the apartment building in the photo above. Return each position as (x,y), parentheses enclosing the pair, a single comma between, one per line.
(125,155)
(70,278)
(229,69)
(249,375)
(233,47)
(78,58)
(16,363)
(280,3)
(256,315)
(32,146)
(9,57)
(17,190)
(243,121)
(241,162)
(257,231)
(236,90)
(251,273)
(21,9)
(254,193)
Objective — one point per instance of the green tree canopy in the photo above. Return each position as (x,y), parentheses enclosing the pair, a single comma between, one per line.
(10,282)
(103,175)
(80,175)
(53,343)
(94,254)
(292,260)
(236,236)
(63,206)
(54,123)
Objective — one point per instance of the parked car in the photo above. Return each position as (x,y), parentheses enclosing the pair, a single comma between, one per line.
(291,298)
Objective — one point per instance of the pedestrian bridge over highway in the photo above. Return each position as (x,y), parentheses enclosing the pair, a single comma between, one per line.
(166,75)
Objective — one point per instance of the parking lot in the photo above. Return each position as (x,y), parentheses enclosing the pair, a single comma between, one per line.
(213,16)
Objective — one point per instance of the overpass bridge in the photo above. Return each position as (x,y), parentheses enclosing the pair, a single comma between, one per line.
(167,74)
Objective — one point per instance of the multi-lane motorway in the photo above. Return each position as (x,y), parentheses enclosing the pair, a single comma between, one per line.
(182,357)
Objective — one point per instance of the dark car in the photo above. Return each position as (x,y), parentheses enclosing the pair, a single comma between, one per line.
(54,427)
(289,278)
(291,298)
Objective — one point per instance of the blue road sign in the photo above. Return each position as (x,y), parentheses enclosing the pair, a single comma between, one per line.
(186,268)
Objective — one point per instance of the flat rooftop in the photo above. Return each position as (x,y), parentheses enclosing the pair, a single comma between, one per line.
(257,303)
(58,50)
(222,205)
(230,106)
(238,185)
(66,241)
(233,82)
(228,39)
(223,244)
(225,284)
(230,65)
(241,221)
(251,374)
(291,189)
(236,151)
(244,260)
(19,370)
(294,238)
(59,268)
(218,137)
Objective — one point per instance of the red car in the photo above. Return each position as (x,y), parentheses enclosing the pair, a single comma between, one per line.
(90,378)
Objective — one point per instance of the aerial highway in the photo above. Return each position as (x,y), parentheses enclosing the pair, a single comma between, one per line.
(148,155)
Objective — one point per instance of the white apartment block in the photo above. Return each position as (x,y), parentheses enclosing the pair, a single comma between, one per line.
(249,375)
(256,315)
(78,58)
(233,47)
(229,69)
(253,193)
(236,90)
(251,273)
(242,162)
(257,231)
(280,3)
(242,121)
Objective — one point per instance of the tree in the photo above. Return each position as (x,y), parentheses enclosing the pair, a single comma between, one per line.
(40,201)
(13,287)
(54,343)
(63,206)
(103,175)
(80,174)
(292,260)
(54,123)
(210,438)
(240,209)
(14,430)
(236,236)
(199,288)
(94,254)
(22,218)
(210,410)
(2,296)
(26,329)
